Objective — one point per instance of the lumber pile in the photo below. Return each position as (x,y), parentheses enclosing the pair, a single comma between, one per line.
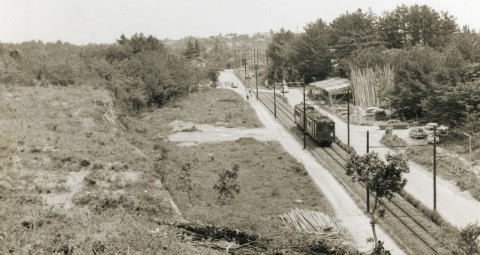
(311,222)
(371,84)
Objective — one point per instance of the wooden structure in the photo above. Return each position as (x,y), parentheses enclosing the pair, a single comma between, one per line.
(332,89)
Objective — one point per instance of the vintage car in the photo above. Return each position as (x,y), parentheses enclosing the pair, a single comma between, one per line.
(417,132)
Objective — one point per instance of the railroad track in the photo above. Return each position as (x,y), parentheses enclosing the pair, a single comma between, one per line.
(400,211)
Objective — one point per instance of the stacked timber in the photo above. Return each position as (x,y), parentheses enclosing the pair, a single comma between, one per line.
(370,84)
(311,222)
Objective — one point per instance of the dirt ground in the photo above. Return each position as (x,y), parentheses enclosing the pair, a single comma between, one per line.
(77,178)
(71,181)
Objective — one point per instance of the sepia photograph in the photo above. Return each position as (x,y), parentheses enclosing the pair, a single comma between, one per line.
(240,127)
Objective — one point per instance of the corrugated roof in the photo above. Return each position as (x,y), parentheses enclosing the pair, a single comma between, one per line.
(333,85)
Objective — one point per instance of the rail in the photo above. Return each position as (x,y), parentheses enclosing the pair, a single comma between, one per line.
(285,116)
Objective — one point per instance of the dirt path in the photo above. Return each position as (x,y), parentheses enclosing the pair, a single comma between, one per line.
(347,212)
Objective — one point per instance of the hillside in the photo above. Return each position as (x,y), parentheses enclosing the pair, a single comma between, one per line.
(78,179)
(71,181)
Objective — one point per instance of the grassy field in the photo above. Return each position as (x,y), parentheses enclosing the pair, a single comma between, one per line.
(77,178)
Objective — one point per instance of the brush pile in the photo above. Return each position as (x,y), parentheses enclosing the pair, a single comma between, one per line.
(311,222)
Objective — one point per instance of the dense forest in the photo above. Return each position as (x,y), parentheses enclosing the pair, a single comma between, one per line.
(436,64)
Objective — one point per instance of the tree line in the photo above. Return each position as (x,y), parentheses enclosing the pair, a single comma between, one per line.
(436,63)
(142,71)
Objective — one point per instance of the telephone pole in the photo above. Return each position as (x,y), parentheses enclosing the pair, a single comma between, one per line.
(348,119)
(256,75)
(434,168)
(304,117)
(368,191)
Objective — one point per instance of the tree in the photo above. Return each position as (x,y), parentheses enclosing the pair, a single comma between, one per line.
(414,76)
(185,181)
(417,24)
(312,57)
(227,185)
(453,105)
(381,179)
(280,51)
(469,242)
(354,31)
(193,49)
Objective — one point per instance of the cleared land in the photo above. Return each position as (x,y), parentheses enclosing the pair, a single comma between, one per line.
(78,179)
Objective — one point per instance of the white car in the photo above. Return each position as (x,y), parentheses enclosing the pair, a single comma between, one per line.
(284,89)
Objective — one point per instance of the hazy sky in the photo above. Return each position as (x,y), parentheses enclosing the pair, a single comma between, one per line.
(102,21)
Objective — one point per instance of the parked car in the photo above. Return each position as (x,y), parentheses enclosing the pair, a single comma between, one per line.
(380,115)
(371,110)
(234,85)
(284,89)
(430,138)
(441,129)
(417,132)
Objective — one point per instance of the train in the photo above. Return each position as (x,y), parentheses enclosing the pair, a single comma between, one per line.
(320,127)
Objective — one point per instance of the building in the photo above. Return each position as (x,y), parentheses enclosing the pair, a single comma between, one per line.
(332,89)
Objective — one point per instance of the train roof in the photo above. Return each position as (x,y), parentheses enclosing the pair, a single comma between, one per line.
(313,114)
(319,117)
(307,107)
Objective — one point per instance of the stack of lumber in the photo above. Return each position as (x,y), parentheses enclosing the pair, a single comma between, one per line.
(311,222)
(371,84)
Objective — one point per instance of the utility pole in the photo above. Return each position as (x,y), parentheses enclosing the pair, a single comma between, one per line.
(348,118)
(470,142)
(256,75)
(267,67)
(434,168)
(275,96)
(245,64)
(368,191)
(304,117)
(235,62)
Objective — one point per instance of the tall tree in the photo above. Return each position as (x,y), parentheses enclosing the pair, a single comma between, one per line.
(192,49)
(383,179)
(354,31)
(417,24)
(312,57)
(414,78)
(280,51)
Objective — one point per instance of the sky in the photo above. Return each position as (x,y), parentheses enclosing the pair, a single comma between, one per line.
(103,21)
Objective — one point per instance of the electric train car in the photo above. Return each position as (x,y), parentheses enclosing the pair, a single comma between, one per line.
(320,127)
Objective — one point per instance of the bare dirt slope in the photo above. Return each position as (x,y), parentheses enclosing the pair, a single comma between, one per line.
(70,180)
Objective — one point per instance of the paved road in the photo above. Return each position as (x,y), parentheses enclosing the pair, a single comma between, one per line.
(347,212)
(457,207)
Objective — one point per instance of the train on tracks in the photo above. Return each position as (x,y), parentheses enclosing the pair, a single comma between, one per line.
(320,127)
